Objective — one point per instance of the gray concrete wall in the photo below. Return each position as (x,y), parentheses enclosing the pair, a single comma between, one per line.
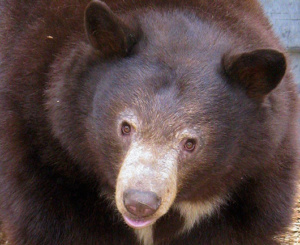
(285,17)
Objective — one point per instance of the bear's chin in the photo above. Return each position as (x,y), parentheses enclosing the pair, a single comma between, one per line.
(138,223)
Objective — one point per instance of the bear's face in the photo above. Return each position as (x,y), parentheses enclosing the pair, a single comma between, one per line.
(170,111)
(162,129)
(164,120)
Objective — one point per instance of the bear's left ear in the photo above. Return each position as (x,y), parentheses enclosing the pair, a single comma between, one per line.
(259,71)
(106,32)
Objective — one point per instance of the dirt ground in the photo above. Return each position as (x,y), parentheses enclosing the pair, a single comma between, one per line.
(292,237)
(2,239)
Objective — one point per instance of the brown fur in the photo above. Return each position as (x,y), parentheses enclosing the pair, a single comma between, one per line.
(59,156)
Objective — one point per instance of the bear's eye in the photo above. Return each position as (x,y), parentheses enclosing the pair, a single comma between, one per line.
(190,145)
(126,128)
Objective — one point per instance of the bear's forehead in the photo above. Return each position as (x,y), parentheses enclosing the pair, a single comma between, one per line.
(180,38)
(178,53)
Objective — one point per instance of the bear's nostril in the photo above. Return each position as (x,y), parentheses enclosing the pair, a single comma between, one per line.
(141,203)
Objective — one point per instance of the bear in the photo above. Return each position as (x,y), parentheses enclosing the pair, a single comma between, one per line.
(144,122)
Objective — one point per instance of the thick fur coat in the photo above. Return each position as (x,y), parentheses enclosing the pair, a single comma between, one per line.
(153,122)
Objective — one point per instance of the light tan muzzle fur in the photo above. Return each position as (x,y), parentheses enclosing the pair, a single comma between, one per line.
(145,169)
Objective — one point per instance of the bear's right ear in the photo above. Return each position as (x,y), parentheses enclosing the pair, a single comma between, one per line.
(259,71)
(106,32)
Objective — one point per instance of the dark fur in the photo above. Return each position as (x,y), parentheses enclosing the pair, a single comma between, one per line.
(57,148)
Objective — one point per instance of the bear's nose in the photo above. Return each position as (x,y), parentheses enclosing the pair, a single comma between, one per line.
(141,203)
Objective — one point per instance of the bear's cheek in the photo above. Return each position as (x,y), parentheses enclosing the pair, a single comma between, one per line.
(146,184)
(202,174)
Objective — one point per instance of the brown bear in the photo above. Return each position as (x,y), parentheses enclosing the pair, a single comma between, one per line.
(152,122)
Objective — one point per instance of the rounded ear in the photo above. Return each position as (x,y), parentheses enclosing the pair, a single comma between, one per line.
(106,31)
(259,71)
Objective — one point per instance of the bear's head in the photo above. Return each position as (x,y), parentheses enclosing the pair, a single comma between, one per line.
(172,110)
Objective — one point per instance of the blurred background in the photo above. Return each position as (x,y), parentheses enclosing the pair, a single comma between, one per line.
(285,17)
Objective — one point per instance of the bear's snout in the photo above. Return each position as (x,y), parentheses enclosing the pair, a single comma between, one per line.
(141,203)
(146,184)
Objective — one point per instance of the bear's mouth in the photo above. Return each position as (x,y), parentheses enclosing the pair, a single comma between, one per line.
(138,223)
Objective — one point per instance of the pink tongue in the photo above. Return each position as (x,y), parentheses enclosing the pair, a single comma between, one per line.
(136,224)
